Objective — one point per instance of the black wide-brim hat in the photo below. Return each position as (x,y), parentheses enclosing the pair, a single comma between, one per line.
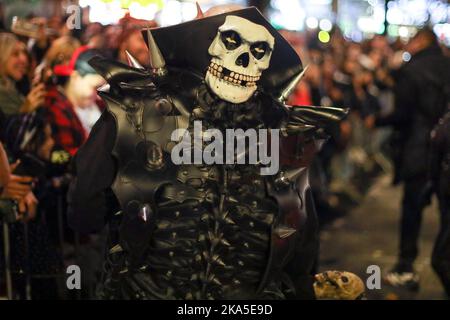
(185,45)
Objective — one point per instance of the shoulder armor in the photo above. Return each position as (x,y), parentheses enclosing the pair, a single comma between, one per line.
(147,110)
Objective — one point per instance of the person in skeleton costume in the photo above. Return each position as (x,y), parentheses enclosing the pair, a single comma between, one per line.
(202,231)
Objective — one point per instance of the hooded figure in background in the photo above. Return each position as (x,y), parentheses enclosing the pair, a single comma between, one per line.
(202,230)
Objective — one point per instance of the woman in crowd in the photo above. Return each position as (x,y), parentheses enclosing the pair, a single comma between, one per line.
(13,67)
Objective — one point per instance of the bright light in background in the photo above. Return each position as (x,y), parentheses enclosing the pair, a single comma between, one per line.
(394,15)
(325,25)
(312,23)
(299,14)
(356,18)
(104,12)
(442,30)
(324,36)
(83,3)
(371,24)
(403,32)
(143,12)
(111,11)
(359,19)
(290,14)
(406,56)
(356,36)
(171,14)
(323,2)
(439,12)
(189,10)
(414,12)
(174,12)
(392,30)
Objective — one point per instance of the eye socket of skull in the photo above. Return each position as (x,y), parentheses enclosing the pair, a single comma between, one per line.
(230,39)
(259,49)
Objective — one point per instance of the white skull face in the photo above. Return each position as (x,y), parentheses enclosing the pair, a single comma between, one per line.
(240,52)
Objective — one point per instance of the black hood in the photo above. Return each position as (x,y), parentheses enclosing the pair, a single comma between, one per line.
(185,45)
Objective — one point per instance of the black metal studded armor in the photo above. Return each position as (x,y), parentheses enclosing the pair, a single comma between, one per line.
(198,231)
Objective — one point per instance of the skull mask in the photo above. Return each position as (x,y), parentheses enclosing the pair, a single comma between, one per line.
(240,52)
(338,285)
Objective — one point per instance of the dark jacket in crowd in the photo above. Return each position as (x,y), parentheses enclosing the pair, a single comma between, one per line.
(440,158)
(421,96)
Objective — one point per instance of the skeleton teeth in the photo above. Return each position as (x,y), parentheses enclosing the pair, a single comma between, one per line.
(233,78)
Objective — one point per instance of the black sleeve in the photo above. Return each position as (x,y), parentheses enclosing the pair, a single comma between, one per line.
(90,197)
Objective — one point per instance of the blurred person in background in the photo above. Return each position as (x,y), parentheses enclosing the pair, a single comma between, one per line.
(35,261)
(39,45)
(132,41)
(420,101)
(440,178)
(72,103)
(363,99)
(14,65)
(113,39)
(72,111)
(2,18)
(14,187)
(91,30)
(4,167)
(59,53)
